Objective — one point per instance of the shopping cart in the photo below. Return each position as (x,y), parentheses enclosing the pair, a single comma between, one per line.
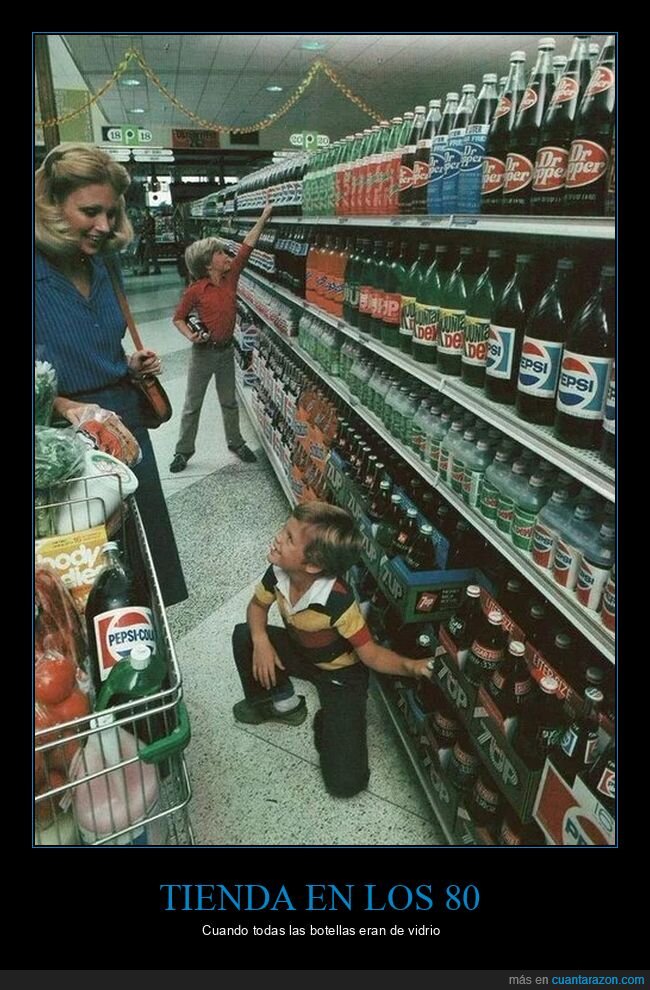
(117,777)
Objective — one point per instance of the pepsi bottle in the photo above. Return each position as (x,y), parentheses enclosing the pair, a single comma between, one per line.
(541,352)
(586,365)
(507,333)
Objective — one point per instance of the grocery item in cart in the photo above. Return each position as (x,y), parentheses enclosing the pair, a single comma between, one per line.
(104,430)
(58,627)
(97,495)
(76,558)
(124,795)
(138,676)
(45,388)
(58,457)
(115,622)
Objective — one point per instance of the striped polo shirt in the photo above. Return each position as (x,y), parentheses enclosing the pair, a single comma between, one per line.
(325,625)
(81,338)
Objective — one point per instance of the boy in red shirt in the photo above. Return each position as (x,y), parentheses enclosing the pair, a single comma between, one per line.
(325,640)
(212,295)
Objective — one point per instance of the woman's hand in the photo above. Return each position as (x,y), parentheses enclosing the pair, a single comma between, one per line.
(144,362)
(76,412)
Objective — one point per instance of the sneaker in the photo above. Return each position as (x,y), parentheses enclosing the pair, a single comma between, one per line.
(254,714)
(178,464)
(244,453)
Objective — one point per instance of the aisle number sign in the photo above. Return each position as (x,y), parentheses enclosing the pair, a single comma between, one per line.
(127,134)
(309,140)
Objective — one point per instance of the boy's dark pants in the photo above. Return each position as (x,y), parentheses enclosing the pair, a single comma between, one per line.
(340,728)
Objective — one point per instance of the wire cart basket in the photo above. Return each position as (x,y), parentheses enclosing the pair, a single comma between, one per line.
(117,777)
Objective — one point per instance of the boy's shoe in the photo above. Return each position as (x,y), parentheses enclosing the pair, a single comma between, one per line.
(244,453)
(255,714)
(179,463)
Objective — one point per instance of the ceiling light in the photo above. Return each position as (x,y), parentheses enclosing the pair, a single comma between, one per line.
(137,110)
(130,82)
(275,89)
(313,46)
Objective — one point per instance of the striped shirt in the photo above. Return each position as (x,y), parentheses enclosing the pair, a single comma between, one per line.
(326,625)
(215,304)
(81,338)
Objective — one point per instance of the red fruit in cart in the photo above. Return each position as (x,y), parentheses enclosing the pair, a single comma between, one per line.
(55,677)
(75,705)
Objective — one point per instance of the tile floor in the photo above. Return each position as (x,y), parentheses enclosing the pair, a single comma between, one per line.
(257,785)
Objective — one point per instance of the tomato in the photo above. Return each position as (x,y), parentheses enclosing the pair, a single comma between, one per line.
(54,678)
(74,705)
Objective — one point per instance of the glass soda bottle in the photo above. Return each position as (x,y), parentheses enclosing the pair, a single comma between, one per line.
(586,365)
(454,148)
(438,152)
(496,151)
(393,281)
(424,343)
(473,151)
(507,332)
(541,351)
(488,648)
(510,685)
(524,137)
(458,632)
(480,309)
(114,622)
(451,317)
(410,288)
(577,749)
(543,724)
(608,445)
(421,163)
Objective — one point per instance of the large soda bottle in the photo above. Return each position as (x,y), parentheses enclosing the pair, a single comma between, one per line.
(375,175)
(462,768)
(495,480)
(480,309)
(596,565)
(555,138)
(510,686)
(409,291)
(457,633)
(527,508)
(524,137)
(579,532)
(421,163)
(585,190)
(578,747)
(136,677)
(114,622)
(424,344)
(438,151)
(551,519)
(453,306)
(542,725)
(586,366)
(407,163)
(393,205)
(351,286)
(496,151)
(454,149)
(393,280)
(477,462)
(422,553)
(485,802)
(378,294)
(488,648)
(512,489)
(367,280)
(507,332)
(541,352)
(470,174)
(608,446)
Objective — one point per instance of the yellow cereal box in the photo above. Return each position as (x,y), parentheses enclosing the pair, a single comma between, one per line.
(77,559)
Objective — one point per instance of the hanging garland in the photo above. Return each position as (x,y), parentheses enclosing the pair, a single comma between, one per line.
(320,65)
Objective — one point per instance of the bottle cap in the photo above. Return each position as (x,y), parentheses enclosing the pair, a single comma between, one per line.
(563,641)
(495,618)
(546,43)
(140,656)
(549,685)
(517,648)
(490,77)
(469,88)
(111,545)
(565,265)
(595,675)
(452,96)
(473,591)
(518,56)
(594,695)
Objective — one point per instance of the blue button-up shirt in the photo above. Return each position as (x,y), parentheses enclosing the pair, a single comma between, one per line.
(81,338)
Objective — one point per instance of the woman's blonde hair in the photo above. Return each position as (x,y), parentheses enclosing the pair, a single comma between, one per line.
(199,255)
(65,169)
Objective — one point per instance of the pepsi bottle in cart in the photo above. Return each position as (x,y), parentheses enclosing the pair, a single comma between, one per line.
(496,152)
(552,156)
(585,190)
(473,151)
(114,622)
(524,137)
(585,370)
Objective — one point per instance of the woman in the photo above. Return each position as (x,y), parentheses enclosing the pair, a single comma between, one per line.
(80,221)
(212,295)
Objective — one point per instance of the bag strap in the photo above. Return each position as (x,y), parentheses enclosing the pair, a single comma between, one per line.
(124,306)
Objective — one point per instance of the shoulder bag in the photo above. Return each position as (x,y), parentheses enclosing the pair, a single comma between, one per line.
(155,407)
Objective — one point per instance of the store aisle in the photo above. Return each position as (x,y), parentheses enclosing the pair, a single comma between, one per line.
(253,785)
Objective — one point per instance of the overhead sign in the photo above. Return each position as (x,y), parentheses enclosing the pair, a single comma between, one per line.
(309,140)
(123,154)
(127,134)
(190,137)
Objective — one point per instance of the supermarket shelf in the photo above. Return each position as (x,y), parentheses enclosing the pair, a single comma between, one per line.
(242,392)
(586,466)
(585,621)
(592,228)
(413,755)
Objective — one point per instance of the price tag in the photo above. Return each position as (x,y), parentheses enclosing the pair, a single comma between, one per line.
(396,221)
(343,219)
